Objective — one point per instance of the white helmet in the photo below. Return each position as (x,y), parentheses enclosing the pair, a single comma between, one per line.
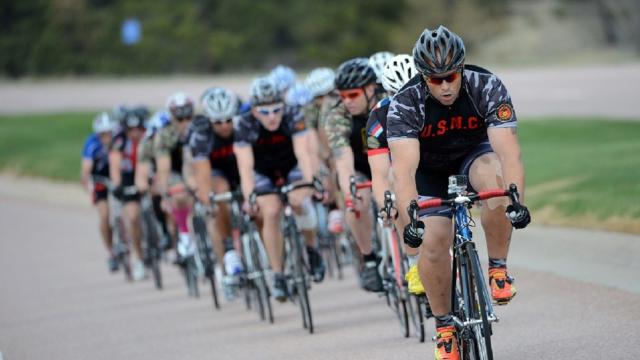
(265,91)
(378,60)
(102,123)
(298,95)
(284,77)
(219,103)
(320,81)
(398,71)
(180,105)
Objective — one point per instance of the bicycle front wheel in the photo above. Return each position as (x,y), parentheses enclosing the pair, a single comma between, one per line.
(478,308)
(301,280)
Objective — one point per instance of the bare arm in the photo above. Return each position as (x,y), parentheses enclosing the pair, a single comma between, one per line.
(314,150)
(115,173)
(163,170)
(380,176)
(85,173)
(202,176)
(504,142)
(345,168)
(245,160)
(187,169)
(142,176)
(406,156)
(304,156)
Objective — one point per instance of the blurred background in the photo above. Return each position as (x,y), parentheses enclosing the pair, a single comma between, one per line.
(119,37)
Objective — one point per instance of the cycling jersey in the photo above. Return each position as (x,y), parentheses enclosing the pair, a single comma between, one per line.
(169,141)
(448,133)
(129,150)
(272,150)
(205,144)
(344,129)
(377,128)
(99,155)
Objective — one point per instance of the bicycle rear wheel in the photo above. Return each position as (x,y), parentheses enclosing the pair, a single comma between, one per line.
(191,276)
(152,250)
(477,309)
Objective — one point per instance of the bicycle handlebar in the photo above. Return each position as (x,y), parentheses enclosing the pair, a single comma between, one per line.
(286,189)
(355,186)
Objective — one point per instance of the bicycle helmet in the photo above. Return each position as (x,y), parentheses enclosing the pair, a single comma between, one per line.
(119,112)
(284,77)
(264,91)
(219,103)
(378,61)
(102,123)
(398,71)
(158,121)
(133,119)
(355,73)
(180,105)
(438,51)
(298,95)
(320,81)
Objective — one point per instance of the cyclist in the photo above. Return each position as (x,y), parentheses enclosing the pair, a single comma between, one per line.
(122,165)
(271,150)
(169,150)
(146,169)
(397,72)
(452,120)
(95,170)
(215,169)
(345,127)
(321,84)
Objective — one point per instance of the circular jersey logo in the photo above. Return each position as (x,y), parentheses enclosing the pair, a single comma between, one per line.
(504,112)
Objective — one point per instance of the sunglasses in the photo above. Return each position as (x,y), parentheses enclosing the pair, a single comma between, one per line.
(351,94)
(268,110)
(439,80)
(219,122)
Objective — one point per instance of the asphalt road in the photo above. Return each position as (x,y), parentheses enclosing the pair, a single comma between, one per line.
(579,298)
(605,91)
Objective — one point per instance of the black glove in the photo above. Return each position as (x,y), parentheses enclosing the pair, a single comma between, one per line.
(413,236)
(518,215)
(118,192)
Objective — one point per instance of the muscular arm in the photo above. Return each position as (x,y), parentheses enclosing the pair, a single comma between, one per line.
(202,176)
(314,150)
(163,169)
(115,173)
(380,175)
(406,156)
(504,142)
(304,156)
(344,166)
(245,159)
(85,173)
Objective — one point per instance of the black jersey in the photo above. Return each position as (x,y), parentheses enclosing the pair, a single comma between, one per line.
(205,144)
(447,133)
(272,150)
(129,150)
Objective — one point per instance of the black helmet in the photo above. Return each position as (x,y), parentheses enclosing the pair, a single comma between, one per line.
(355,73)
(438,51)
(134,119)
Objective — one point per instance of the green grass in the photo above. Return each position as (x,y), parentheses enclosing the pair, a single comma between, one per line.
(579,167)
(583,166)
(44,145)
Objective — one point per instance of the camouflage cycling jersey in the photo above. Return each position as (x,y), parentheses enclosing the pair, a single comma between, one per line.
(145,150)
(449,133)
(169,141)
(330,101)
(344,129)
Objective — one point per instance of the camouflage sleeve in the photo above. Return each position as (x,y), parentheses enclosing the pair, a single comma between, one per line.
(329,103)
(405,115)
(338,127)
(164,141)
(311,114)
(200,144)
(296,120)
(243,131)
(493,99)
(145,150)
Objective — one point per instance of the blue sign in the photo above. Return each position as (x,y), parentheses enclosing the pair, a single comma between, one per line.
(131,31)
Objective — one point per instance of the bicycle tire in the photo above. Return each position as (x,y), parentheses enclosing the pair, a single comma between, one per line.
(398,294)
(122,253)
(152,248)
(260,281)
(191,277)
(200,228)
(336,257)
(476,309)
(417,311)
(300,278)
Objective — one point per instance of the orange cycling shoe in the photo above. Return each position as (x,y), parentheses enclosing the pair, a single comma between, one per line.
(502,290)
(447,344)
